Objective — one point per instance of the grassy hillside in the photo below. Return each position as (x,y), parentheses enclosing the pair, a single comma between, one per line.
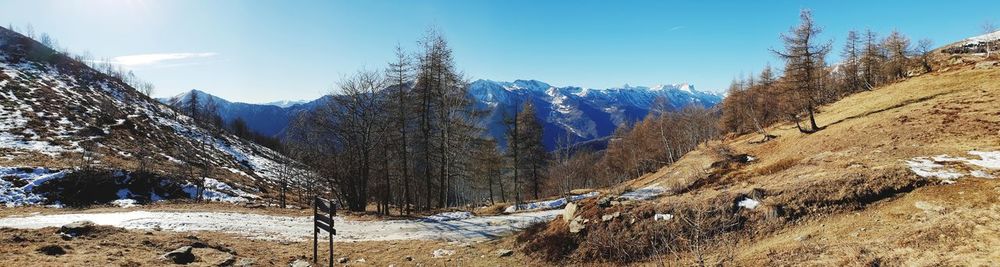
(845,194)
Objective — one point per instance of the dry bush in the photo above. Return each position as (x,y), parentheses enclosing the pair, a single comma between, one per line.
(551,241)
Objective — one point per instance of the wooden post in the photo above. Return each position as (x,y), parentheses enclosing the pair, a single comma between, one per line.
(333,211)
(315,231)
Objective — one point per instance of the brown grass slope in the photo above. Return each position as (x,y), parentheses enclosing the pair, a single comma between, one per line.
(841,195)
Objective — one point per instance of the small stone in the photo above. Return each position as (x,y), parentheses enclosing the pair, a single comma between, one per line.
(409,258)
(440,253)
(300,263)
(77,228)
(361,260)
(608,217)
(803,237)
(245,262)
(181,255)
(505,253)
(343,260)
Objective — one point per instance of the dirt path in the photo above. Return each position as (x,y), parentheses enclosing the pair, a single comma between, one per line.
(293,228)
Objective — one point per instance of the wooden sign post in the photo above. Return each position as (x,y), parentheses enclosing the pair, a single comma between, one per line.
(323,213)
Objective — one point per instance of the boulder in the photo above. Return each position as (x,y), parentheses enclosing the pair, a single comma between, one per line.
(577,225)
(77,228)
(181,255)
(608,217)
(604,202)
(569,212)
(505,253)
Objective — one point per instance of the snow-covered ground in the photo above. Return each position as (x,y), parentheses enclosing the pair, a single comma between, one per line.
(938,166)
(549,204)
(295,228)
(645,193)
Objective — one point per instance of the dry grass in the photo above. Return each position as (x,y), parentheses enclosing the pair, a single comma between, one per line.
(116,247)
(813,186)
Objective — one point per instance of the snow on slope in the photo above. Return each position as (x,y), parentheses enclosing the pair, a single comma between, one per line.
(989,37)
(51,104)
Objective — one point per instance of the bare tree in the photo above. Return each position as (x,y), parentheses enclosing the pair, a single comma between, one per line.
(804,57)
(923,53)
(988,28)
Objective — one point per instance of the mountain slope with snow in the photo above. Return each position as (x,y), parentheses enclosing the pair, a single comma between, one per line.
(58,113)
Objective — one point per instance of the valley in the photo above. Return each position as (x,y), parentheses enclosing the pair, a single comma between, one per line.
(876,151)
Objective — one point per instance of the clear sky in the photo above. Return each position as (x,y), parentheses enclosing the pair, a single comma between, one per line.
(268,50)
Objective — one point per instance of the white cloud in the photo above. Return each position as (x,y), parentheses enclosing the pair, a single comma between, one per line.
(677,28)
(153,59)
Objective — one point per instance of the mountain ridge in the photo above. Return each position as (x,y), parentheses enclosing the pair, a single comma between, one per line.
(584,114)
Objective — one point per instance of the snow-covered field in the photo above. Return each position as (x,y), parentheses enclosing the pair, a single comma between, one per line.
(294,228)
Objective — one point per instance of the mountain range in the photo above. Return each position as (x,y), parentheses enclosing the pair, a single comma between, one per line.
(582,114)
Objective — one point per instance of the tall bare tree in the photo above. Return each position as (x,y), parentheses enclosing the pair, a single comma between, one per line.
(804,57)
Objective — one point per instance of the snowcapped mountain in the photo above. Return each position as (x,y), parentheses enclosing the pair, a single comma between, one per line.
(270,119)
(56,113)
(583,113)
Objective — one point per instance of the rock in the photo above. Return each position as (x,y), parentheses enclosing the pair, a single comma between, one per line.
(608,217)
(577,225)
(361,260)
(229,260)
(300,263)
(604,202)
(52,250)
(77,228)
(505,253)
(569,212)
(440,253)
(199,244)
(803,237)
(409,258)
(181,255)
(985,65)
(343,260)
(245,262)
(662,217)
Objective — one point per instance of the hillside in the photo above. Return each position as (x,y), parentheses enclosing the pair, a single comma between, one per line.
(65,122)
(904,174)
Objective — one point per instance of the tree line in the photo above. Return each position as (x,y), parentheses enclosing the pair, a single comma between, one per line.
(807,81)
(408,137)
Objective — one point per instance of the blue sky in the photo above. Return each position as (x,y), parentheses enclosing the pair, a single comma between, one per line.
(267,50)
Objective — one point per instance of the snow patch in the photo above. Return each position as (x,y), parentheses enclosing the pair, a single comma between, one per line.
(449,216)
(12,195)
(932,167)
(125,203)
(644,193)
(549,204)
(748,203)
